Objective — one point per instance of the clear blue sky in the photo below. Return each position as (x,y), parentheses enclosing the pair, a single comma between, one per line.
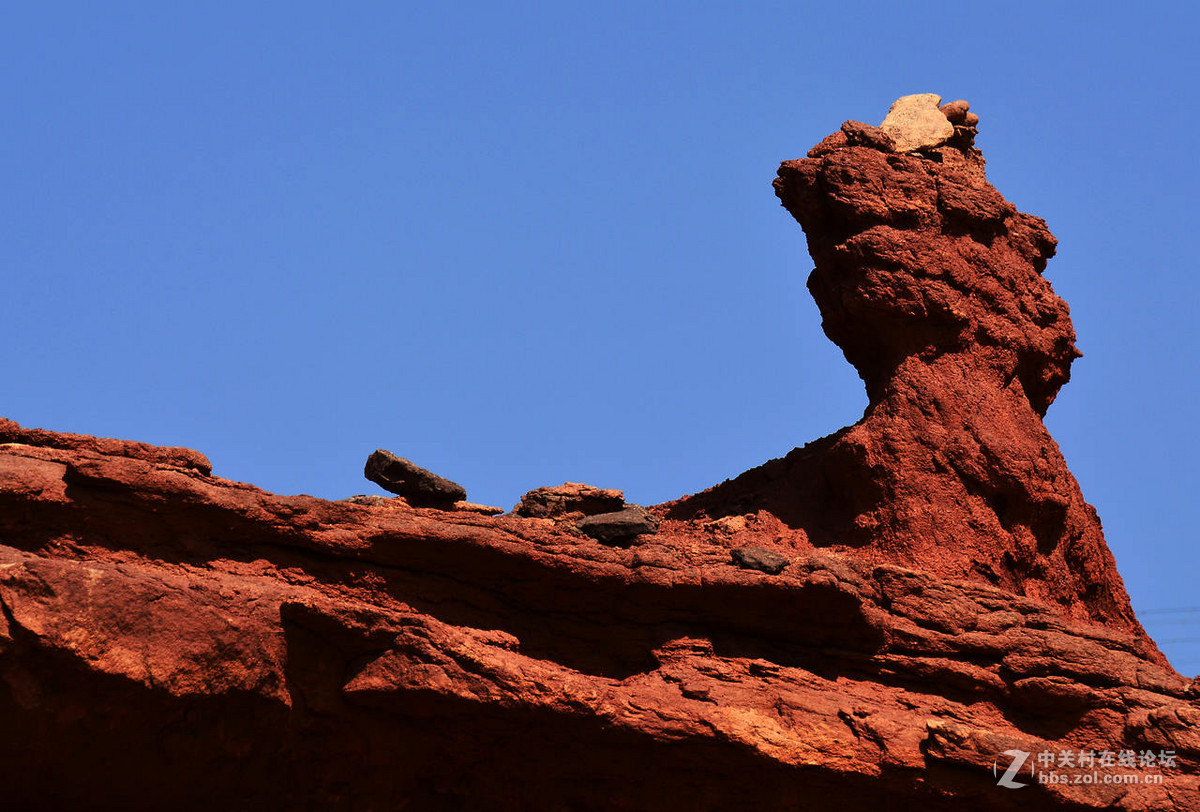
(528,243)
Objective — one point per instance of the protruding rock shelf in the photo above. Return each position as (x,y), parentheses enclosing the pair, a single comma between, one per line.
(877,620)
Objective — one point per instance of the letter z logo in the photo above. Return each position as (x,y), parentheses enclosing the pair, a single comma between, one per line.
(1019,757)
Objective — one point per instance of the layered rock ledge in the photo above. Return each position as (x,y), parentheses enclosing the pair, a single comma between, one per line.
(871,621)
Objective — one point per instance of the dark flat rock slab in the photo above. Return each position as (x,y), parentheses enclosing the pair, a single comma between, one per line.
(569,500)
(620,527)
(760,558)
(405,478)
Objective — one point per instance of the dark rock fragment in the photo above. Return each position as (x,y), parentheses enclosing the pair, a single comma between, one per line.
(420,487)
(759,558)
(620,527)
(569,500)
(859,134)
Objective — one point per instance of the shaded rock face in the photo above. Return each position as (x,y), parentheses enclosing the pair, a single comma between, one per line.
(827,630)
(760,558)
(931,283)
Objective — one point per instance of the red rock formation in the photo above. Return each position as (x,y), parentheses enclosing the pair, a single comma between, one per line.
(173,640)
(930,282)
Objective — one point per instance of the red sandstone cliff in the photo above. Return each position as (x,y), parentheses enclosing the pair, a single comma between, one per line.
(931,589)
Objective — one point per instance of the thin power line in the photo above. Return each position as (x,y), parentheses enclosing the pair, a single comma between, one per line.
(1169,611)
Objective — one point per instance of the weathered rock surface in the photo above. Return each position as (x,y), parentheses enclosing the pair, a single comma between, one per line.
(915,122)
(959,114)
(753,557)
(571,500)
(619,527)
(859,134)
(173,640)
(186,458)
(402,477)
(475,507)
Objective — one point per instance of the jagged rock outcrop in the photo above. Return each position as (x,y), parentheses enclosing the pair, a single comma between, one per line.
(871,622)
(931,283)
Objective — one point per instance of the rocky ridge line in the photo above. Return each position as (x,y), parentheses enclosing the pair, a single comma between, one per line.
(873,619)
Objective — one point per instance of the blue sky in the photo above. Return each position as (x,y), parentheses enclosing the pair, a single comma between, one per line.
(529,243)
